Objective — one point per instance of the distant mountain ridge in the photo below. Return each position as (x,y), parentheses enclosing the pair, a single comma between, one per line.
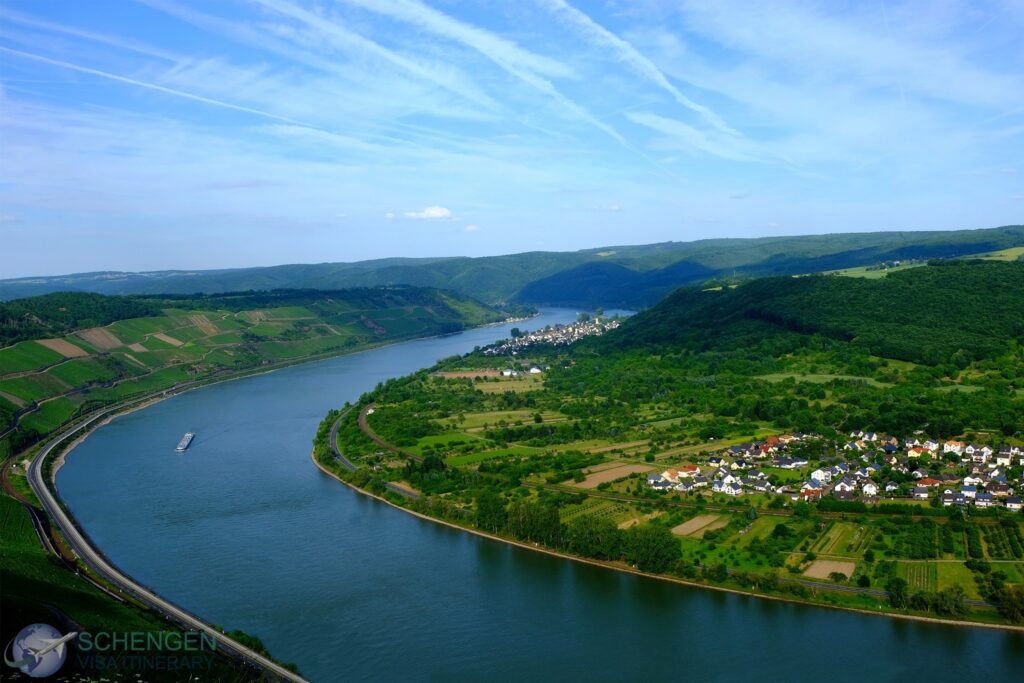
(633,276)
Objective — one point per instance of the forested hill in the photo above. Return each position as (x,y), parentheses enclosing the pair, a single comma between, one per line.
(57,314)
(630,276)
(955,311)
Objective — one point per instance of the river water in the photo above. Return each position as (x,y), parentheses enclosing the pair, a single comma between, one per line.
(244,531)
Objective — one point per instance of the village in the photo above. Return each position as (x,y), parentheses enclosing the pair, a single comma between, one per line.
(949,473)
(554,335)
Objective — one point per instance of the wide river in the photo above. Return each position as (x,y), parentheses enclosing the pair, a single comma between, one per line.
(244,531)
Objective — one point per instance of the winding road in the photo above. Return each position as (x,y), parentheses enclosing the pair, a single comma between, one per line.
(124,583)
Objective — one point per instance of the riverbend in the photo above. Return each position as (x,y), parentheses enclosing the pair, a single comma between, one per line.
(242,531)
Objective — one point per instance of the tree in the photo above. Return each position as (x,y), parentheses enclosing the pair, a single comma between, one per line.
(651,547)
(897,590)
(1010,602)
(597,537)
(950,601)
(490,511)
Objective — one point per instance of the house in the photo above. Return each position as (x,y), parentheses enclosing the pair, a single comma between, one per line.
(930,446)
(700,481)
(808,494)
(929,481)
(984,500)
(658,482)
(949,497)
(822,475)
(891,486)
(845,484)
(1000,489)
(1014,503)
(869,488)
(508,372)
(920,493)
(918,452)
(842,495)
(969,491)
(810,484)
(733,489)
(954,447)
(535,371)
(684,486)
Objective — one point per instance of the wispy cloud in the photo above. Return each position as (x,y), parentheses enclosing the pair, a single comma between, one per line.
(628,54)
(525,67)
(686,137)
(149,86)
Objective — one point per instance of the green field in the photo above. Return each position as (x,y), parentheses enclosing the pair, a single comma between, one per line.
(471,458)
(26,355)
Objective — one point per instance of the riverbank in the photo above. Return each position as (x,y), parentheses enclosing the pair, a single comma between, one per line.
(621,567)
(59,444)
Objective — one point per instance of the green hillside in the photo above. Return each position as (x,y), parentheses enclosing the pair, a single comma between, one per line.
(65,354)
(956,310)
(633,276)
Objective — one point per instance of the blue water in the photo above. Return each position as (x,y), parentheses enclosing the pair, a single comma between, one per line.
(244,531)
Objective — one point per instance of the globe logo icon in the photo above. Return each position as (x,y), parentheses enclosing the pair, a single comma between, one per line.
(38,650)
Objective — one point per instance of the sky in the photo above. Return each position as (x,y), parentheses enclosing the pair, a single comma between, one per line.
(185,134)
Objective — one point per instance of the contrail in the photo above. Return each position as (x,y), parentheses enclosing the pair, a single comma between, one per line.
(631,56)
(152,86)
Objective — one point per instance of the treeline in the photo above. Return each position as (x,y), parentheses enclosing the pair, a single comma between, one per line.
(54,315)
(925,315)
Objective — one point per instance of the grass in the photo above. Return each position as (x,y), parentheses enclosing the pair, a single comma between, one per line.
(476,420)
(80,371)
(471,458)
(1011,254)
(27,355)
(26,570)
(517,385)
(815,378)
(956,574)
(33,387)
(870,273)
(921,576)
(51,414)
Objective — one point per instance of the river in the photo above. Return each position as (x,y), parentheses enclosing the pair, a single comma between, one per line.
(244,531)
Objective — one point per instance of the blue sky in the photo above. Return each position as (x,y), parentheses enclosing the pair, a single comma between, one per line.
(152,134)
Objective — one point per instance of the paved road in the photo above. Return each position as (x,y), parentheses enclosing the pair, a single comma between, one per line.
(350,466)
(123,582)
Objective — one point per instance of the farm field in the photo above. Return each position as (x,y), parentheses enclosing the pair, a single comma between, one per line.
(594,480)
(700,525)
(822,569)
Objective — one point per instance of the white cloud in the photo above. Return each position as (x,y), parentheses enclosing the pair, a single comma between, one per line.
(472,228)
(614,208)
(430,213)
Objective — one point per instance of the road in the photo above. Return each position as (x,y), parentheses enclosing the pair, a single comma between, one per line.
(94,559)
(348,464)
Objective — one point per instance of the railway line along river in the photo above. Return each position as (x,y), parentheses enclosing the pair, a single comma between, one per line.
(242,530)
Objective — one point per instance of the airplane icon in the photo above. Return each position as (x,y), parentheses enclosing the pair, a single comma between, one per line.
(49,645)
